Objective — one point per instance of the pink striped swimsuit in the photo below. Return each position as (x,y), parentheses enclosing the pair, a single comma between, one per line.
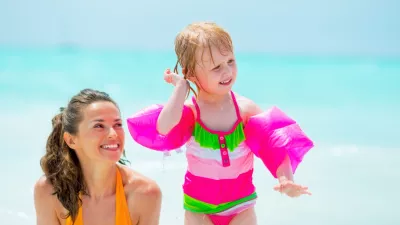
(218,180)
(220,168)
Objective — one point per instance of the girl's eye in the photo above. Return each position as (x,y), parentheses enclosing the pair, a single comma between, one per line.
(118,124)
(98,126)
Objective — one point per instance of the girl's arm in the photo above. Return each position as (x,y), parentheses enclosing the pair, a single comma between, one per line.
(276,139)
(284,171)
(164,127)
(172,111)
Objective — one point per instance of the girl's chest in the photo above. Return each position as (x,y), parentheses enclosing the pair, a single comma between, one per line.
(219,120)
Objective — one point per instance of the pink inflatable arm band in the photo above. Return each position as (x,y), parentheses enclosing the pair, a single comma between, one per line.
(272,135)
(143,129)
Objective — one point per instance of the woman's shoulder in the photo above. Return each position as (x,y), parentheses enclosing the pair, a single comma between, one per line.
(143,196)
(46,203)
(44,192)
(43,187)
(137,183)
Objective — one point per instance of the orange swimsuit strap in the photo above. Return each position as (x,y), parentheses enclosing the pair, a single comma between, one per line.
(122,216)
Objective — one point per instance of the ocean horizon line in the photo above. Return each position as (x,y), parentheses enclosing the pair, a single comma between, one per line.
(75,48)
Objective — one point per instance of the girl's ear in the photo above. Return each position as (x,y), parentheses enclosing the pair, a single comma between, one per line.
(184,71)
(189,77)
(192,79)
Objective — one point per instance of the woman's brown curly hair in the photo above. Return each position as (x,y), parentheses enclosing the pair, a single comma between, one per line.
(60,164)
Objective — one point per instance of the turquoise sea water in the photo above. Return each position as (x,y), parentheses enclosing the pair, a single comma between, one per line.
(348,105)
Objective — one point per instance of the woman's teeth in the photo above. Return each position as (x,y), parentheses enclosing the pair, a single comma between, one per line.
(110,147)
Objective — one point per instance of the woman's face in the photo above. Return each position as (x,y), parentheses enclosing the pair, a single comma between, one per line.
(101,136)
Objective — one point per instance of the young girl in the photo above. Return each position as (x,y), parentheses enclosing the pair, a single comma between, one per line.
(222,132)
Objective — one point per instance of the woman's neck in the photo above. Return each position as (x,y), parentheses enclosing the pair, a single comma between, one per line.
(100,179)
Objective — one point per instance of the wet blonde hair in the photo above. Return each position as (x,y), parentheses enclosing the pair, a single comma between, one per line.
(202,35)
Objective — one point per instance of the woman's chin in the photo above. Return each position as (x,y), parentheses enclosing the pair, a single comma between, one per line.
(113,156)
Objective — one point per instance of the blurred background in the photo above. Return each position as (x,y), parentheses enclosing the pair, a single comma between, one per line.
(332,65)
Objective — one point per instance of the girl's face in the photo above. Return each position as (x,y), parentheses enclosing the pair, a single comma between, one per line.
(215,71)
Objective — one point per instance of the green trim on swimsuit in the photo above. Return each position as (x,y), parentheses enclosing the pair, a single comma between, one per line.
(197,206)
(210,140)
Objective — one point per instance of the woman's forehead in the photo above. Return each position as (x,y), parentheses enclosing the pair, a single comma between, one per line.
(101,110)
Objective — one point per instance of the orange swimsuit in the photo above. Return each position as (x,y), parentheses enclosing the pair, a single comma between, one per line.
(122,216)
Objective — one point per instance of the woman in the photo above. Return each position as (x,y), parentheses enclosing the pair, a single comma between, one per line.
(83,183)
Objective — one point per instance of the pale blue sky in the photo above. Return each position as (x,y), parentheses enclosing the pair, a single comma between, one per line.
(309,26)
